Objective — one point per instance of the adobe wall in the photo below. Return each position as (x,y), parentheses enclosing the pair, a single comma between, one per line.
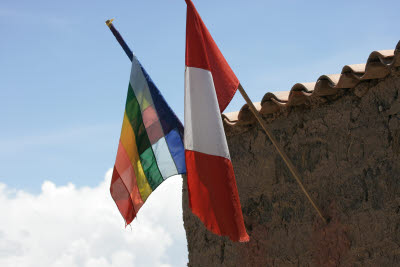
(347,151)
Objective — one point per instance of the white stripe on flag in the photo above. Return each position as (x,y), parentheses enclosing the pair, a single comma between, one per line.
(165,163)
(140,87)
(204,131)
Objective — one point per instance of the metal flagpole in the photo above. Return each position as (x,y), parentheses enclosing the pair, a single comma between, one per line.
(256,114)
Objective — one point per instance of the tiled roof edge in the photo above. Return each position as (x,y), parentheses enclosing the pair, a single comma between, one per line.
(379,65)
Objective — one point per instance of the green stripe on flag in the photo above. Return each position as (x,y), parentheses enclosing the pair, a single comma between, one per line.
(150,168)
(146,154)
(134,114)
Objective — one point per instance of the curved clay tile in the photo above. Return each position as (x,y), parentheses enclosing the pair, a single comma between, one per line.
(246,116)
(351,75)
(230,118)
(378,64)
(354,68)
(384,56)
(273,102)
(299,93)
(304,87)
(326,85)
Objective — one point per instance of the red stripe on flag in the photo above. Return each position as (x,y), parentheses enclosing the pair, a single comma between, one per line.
(213,194)
(121,197)
(152,124)
(202,52)
(127,176)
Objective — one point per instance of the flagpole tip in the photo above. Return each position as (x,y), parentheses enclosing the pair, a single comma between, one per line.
(109,22)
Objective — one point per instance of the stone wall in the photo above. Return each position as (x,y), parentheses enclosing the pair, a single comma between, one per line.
(347,151)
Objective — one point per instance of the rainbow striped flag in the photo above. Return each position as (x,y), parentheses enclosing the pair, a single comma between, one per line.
(150,147)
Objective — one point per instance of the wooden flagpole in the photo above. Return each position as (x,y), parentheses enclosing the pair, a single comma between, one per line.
(119,38)
(256,114)
(280,150)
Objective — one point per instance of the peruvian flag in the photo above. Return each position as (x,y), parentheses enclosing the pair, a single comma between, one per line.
(209,87)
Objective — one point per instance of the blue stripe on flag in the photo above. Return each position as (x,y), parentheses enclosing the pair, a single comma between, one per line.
(166,115)
(165,160)
(177,150)
(171,125)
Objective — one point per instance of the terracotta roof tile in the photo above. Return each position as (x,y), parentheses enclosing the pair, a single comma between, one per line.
(379,65)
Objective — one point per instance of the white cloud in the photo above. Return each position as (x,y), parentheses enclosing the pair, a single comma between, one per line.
(68,226)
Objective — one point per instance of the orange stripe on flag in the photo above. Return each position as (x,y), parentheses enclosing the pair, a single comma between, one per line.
(128,140)
(125,170)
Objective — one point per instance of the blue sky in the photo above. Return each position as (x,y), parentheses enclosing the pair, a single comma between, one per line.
(64,77)
(63,84)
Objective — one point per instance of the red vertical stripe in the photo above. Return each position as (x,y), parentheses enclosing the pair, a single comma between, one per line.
(202,52)
(213,194)
(152,124)
(124,170)
(121,197)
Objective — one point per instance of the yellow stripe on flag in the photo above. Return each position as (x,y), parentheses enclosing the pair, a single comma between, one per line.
(128,141)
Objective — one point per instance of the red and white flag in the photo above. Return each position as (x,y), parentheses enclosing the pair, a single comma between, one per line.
(209,87)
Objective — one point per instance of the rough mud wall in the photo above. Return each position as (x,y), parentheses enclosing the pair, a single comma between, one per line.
(347,151)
